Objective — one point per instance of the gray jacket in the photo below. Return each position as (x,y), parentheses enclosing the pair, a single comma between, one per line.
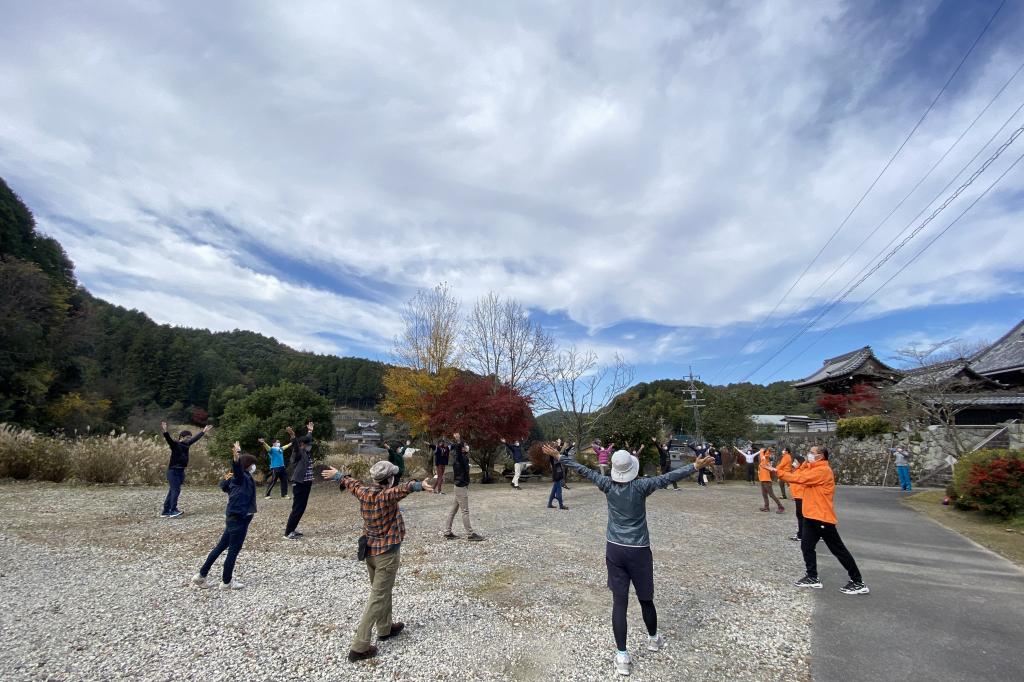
(301,453)
(627,502)
(902,457)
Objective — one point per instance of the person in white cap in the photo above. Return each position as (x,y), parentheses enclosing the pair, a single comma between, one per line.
(384,530)
(628,548)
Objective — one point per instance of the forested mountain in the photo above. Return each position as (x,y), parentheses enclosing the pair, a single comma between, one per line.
(69,359)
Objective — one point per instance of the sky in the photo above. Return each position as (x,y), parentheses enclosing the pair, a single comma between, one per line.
(653,179)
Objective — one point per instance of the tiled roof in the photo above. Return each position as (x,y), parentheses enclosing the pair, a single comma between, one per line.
(841,365)
(1004,355)
(1008,399)
(939,373)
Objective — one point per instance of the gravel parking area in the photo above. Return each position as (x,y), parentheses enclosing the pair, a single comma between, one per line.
(95,587)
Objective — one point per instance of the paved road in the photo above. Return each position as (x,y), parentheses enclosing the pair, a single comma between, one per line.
(940,608)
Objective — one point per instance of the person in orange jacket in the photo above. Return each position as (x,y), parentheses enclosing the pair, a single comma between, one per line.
(785,461)
(819,486)
(797,492)
(764,475)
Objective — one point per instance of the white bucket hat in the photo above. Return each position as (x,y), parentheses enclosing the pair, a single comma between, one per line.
(382,469)
(625,467)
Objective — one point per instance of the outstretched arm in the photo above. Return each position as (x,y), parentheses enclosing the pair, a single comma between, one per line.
(193,439)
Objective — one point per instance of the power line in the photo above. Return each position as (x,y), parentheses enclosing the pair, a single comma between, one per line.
(839,299)
(806,304)
(900,270)
(867,191)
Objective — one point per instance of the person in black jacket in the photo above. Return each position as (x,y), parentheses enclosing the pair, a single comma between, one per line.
(176,467)
(664,459)
(460,468)
(441,452)
(301,478)
(557,479)
(241,491)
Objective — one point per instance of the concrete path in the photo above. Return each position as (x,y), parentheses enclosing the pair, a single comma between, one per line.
(940,608)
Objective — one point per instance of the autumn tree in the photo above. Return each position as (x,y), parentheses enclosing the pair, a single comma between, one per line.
(503,342)
(410,394)
(483,414)
(430,340)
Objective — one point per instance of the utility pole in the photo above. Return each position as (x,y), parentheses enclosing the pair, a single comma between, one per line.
(695,401)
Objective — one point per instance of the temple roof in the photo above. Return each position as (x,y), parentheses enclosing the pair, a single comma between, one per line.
(1005,355)
(944,373)
(861,361)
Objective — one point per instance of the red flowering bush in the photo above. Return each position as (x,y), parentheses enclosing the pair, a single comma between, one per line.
(997,486)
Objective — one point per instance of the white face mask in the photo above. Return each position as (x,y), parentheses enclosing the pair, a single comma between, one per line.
(812,457)
(252,468)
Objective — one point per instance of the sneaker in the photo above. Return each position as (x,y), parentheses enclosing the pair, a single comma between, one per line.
(293,536)
(354,656)
(473,537)
(286,497)
(795,537)
(623,663)
(175,514)
(202,581)
(854,588)
(564,506)
(764,509)
(656,643)
(450,536)
(164,515)
(233,585)
(396,628)
(298,534)
(808,581)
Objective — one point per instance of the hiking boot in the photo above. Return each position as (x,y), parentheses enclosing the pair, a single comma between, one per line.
(623,663)
(396,628)
(473,537)
(854,588)
(656,643)
(233,585)
(808,581)
(450,536)
(354,656)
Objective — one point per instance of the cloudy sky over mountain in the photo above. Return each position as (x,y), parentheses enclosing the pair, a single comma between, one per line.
(648,178)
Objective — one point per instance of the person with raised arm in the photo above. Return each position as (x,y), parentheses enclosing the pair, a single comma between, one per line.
(278,472)
(664,459)
(628,544)
(241,508)
(557,479)
(515,451)
(819,487)
(384,530)
(176,467)
(603,454)
(460,469)
(302,478)
(396,455)
(764,475)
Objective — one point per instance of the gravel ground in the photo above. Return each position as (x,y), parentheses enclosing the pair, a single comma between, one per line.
(95,587)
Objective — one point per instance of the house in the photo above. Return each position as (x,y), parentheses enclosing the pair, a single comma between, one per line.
(841,373)
(1003,361)
(952,376)
(793,423)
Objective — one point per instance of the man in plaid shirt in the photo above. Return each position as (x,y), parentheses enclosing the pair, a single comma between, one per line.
(384,530)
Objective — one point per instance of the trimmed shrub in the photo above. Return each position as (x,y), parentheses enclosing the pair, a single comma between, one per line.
(991,481)
(863,427)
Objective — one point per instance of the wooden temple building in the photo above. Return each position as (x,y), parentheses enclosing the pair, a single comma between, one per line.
(841,373)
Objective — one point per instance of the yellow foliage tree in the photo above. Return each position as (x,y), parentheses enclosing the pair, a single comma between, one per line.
(409,393)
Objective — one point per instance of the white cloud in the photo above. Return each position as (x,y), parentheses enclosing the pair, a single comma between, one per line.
(678,165)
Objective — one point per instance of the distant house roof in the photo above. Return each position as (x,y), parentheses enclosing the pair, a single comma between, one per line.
(1005,355)
(949,373)
(993,399)
(859,362)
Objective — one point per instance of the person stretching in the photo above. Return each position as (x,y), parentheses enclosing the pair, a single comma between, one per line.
(176,467)
(764,474)
(277,468)
(396,455)
(384,529)
(302,479)
(460,467)
(628,544)
(902,462)
(797,491)
(664,459)
(515,451)
(750,456)
(557,477)
(785,463)
(819,487)
(602,455)
(241,491)
(441,453)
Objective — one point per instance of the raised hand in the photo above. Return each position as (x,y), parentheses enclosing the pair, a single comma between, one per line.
(309,426)
(290,430)
(261,440)
(163,426)
(207,428)
(702,462)
(236,450)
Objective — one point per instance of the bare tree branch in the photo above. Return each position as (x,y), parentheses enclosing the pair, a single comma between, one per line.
(430,339)
(502,341)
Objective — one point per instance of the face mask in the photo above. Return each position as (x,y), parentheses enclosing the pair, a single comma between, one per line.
(252,468)
(811,457)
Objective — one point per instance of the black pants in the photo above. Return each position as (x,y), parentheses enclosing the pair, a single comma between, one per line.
(665,468)
(300,497)
(799,517)
(278,474)
(235,529)
(818,530)
(751,472)
(175,477)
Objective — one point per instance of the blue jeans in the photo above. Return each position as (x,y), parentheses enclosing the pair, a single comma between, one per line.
(556,493)
(904,474)
(235,529)
(175,477)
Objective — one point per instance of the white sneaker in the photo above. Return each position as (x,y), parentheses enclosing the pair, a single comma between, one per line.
(656,643)
(233,585)
(623,663)
(200,581)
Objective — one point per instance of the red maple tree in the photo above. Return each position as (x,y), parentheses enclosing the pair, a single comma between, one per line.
(483,413)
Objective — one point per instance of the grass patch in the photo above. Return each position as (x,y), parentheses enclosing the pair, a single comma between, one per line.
(1005,538)
(496,581)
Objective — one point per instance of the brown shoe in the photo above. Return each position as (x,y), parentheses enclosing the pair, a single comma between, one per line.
(354,656)
(395,629)
(780,510)
(764,509)
(473,537)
